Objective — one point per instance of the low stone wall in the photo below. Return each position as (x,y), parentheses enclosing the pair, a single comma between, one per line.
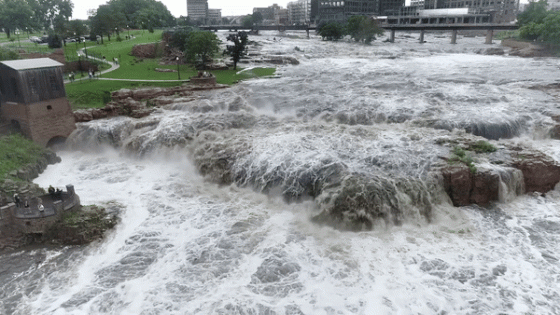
(31,220)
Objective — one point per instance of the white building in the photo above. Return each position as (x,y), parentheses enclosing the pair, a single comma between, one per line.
(299,12)
(197,9)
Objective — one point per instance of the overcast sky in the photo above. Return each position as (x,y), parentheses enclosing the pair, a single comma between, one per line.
(179,7)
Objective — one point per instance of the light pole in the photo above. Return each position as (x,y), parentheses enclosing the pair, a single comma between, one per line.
(128,30)
(17,33)
(85,49)
(178,72)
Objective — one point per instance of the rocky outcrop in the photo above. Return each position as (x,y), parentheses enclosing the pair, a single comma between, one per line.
(80,227)
(465,186)
(492,51)
(277,60)
(145,50)
(525,49)
(140,103)
(540,172)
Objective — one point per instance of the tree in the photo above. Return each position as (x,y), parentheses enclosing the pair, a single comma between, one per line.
(247,21)
(332,31)
(180,37)
(106,20)
(14,14)
(257,18)
(363,29)
(536,23)
(201,47)
(47,12)
(531,31)
(535,12)
(237,50)
(153,13)
(551,27)
(77,28)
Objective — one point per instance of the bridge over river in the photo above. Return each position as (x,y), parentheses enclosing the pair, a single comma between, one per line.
(421,27)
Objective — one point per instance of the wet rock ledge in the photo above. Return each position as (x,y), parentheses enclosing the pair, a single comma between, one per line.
(484,177)
(138,103)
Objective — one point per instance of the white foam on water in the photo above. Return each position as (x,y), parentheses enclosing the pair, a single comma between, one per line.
(186,245)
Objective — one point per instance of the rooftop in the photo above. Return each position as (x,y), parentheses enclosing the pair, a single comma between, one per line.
(24,64)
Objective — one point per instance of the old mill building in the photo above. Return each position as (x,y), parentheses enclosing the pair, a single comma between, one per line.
(33,100)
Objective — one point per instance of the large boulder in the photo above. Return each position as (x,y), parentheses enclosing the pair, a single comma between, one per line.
(540,172)
(465,187)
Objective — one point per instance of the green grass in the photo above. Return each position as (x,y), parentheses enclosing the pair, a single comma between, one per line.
(4,37)
(15,152)
(86,94)
(482,147)
(93,94)
(460,155)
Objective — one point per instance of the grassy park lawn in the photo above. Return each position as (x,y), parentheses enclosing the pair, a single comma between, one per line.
(15,152)
(94,93)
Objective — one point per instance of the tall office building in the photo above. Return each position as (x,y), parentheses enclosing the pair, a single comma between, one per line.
(197,10)
(299,12)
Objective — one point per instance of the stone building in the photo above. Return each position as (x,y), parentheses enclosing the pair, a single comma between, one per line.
(33,100)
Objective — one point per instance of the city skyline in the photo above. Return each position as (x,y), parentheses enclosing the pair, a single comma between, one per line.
(179,8)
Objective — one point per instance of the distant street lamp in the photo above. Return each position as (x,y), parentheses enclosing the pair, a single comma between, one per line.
(85,49)
(128,30)
(178,73)
(17,33)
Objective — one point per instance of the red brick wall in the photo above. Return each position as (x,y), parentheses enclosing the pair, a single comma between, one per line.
(45,123)
(40,123)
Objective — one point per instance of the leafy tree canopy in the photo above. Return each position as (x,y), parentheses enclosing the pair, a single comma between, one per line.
(201,47)
(15,14)
(247,21)
(332,31)
(536,23)
(143,13)
(535,12)
(46,12)
(237,50)
(363,29)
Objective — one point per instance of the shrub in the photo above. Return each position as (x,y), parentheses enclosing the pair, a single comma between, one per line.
(332,31)
(54,41)
(482,147)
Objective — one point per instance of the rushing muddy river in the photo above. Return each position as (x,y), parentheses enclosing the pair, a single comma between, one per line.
(219,197)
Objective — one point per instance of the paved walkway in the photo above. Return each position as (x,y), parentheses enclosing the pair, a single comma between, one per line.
(114,66)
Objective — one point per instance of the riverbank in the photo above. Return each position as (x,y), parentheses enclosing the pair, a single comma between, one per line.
(21,161)
(529,49)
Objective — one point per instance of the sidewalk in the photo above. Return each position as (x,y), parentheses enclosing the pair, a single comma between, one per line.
(114,66)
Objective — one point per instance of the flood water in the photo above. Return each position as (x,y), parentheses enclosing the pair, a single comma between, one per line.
(217,196)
